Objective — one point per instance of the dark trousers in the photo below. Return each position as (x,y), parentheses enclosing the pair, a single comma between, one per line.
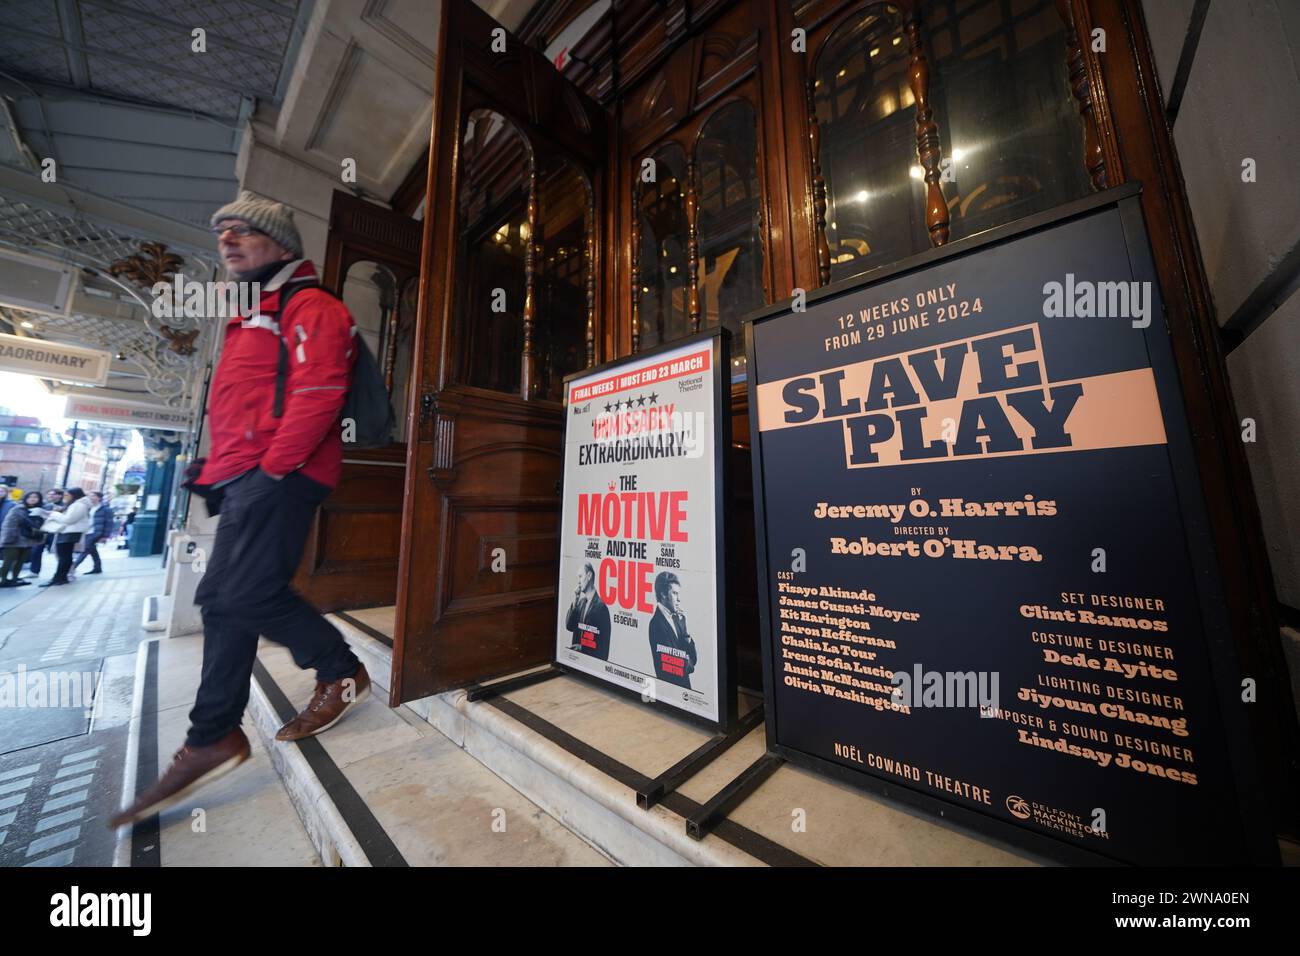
(63,548)
(245,593)
(13,563)
(89,549)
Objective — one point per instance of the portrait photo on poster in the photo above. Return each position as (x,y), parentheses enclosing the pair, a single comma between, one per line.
(642,568)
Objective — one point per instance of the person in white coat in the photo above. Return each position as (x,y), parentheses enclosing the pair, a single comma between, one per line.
(68,526)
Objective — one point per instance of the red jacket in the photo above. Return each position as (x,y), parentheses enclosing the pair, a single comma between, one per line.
(318,331)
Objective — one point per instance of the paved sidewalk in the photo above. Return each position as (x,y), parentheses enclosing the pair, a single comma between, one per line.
(66,653)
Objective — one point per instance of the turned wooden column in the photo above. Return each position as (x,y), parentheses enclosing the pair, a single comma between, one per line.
(692,249)
(589,256)
(818,189)
(927,131)
(1094,160)
(636,264)
(528,370)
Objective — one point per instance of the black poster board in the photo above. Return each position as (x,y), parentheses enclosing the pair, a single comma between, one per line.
(643,588)
(974,470)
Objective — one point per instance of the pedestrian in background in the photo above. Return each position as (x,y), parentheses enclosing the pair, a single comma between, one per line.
(53,503)
(7,502)
(67,526)
(101,527)
(20,531)
(126,530)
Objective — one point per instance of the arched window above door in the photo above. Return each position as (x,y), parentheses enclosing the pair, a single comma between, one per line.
(661,290)
(1002,124)
(730,220)
(565,286)
(493,237)
(874,213)
(697,239)
(384,310)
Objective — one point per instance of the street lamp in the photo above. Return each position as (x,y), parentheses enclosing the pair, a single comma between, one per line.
(116,453)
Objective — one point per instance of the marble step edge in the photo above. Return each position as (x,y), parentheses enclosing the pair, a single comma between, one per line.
(594,807)
(131,763)
(343,846)
(328,831)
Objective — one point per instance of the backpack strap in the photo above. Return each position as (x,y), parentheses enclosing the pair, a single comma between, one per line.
(282,366)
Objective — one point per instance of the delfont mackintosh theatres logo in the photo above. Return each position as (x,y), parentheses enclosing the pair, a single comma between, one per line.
(981,397)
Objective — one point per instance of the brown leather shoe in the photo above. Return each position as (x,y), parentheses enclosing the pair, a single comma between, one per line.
(190,768)
(327,706)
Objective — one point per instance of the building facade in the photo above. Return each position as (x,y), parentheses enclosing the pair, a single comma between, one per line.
(601,179)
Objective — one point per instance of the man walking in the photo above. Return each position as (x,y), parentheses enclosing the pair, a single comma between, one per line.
(276,452)
(101,527)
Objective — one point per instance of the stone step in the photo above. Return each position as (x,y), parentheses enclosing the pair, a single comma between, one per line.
(243,819)
(615,744)
(384,788)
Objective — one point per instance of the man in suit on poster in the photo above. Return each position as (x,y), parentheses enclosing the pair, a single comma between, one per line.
(588,617)
(671,646)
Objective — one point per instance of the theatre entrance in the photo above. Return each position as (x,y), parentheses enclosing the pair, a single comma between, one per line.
(509,300)
(691,162)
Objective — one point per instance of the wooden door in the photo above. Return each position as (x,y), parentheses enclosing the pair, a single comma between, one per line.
(372,261)
(502,316)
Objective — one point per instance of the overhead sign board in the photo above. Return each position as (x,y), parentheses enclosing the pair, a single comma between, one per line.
(109,411)
(66,363)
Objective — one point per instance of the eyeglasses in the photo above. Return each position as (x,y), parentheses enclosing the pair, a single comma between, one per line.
(241,229)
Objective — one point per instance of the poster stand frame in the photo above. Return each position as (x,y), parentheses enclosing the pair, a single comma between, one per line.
(693,763)
(720,340)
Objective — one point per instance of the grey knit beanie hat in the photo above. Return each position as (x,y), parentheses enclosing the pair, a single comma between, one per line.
(266,215)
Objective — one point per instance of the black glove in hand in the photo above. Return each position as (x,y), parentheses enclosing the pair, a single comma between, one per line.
(192,472)
(211,496)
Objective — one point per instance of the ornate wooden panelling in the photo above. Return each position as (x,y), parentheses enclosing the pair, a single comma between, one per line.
(350,560)
(361,230)
(494,480)
(484,466)
(351,557)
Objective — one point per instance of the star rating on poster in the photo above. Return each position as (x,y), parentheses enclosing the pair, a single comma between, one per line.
(628,403)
